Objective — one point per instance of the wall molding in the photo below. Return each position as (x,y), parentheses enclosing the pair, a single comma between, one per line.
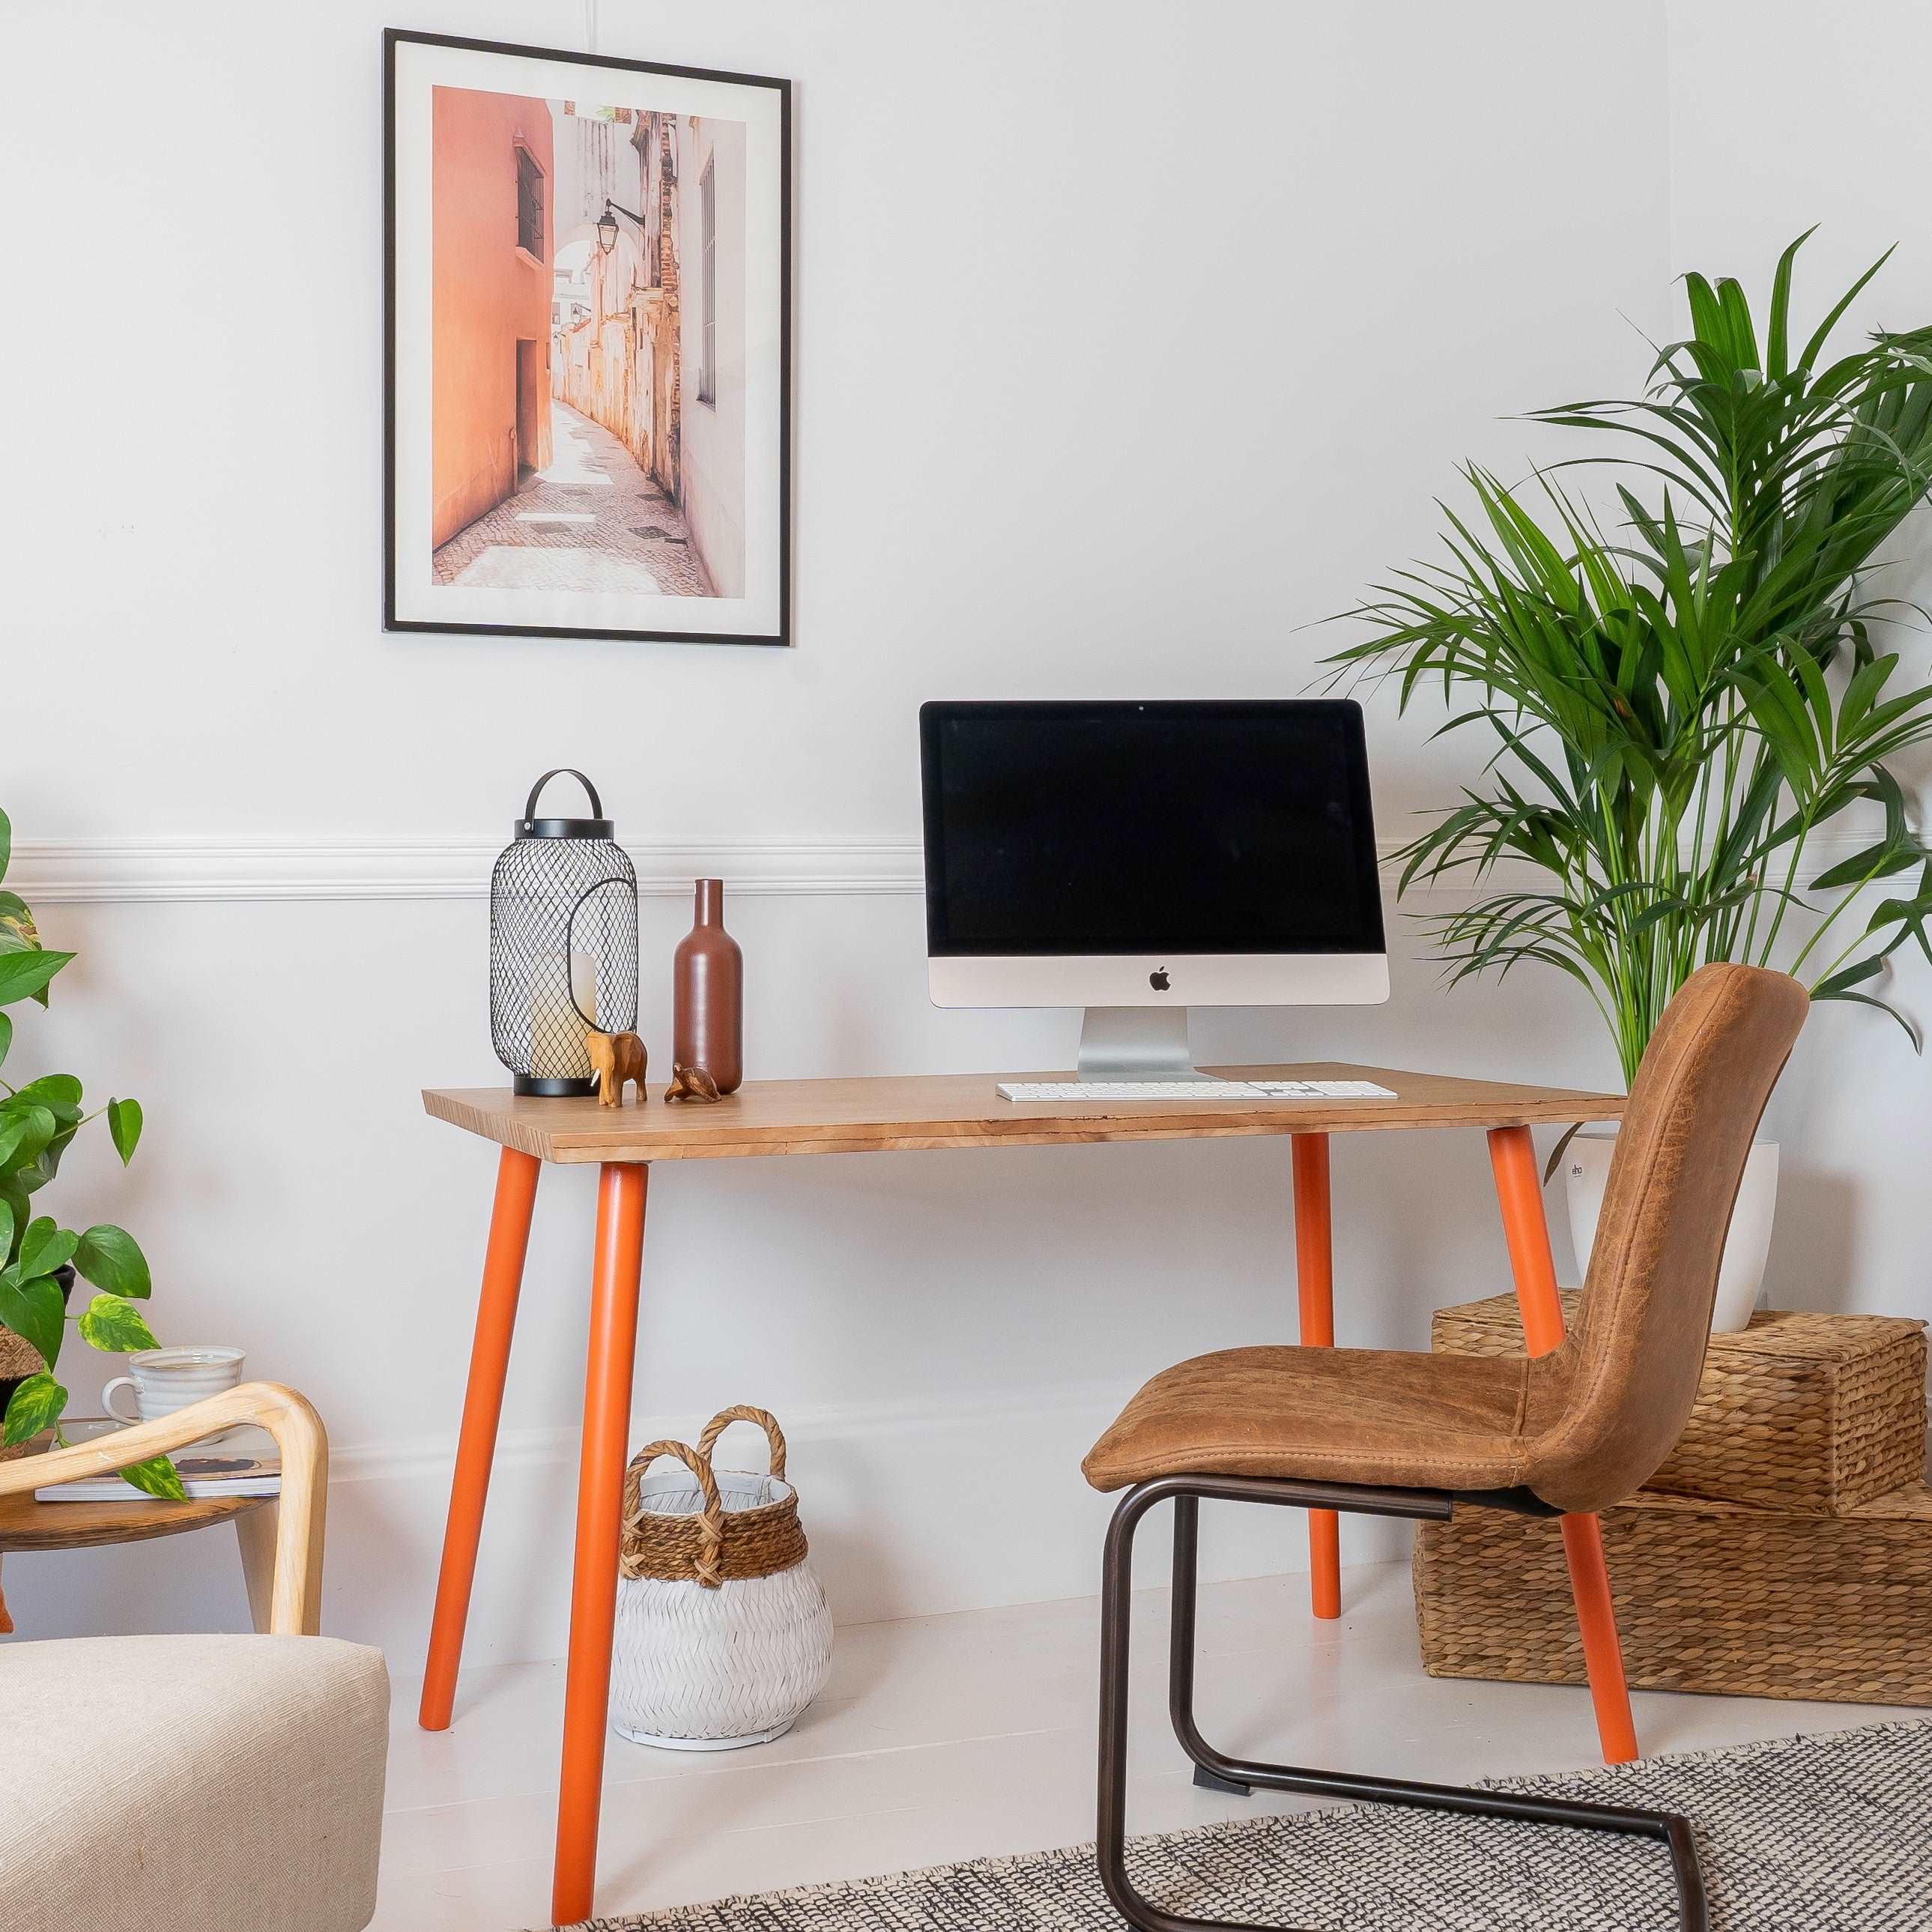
(188,870)
(980,1415)
(105,871)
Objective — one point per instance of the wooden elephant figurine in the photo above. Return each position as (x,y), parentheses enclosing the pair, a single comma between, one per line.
(616,1057)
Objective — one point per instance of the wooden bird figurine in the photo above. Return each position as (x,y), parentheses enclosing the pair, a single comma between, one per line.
(691,1083)
(616,1057)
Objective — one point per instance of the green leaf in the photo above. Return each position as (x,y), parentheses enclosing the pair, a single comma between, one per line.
(124,1125)
(110,1258)
(156,1476)
(1843,302)
(54,1091)
(1911,1032)
(24,974)
(7,1224)
(36,1402)
(1562,1147)
(1875,862)
(50,1093)
(1777,360)
(1833,986)
(110,1324)
(6,843)
(45,1246)
(6,1035)
(35,1309)
(47,1162)
(13,1197)
(24,1132)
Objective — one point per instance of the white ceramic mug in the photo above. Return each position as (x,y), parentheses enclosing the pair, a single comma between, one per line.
(166,1379)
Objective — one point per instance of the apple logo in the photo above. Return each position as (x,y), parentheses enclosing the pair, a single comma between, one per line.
(1159,980)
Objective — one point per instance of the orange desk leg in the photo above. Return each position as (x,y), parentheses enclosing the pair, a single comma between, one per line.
(1519,1190)
(476,1446)
(600,1491)
(1314,1283)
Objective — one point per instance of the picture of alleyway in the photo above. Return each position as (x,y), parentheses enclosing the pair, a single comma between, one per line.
(586,378)
(590,520)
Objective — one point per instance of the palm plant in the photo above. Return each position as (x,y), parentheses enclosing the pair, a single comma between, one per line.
(1680,706)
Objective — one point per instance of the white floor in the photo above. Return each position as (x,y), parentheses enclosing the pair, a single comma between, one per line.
(953,1737)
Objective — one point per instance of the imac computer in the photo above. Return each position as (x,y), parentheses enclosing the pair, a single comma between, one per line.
(1138,858)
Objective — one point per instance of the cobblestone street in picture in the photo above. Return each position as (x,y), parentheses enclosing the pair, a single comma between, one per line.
(591,520)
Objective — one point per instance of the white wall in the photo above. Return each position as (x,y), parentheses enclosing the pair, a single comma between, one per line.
(1131,339)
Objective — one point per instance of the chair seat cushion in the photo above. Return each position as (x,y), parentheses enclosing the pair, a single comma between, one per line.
(190,1784)
(1344,1415)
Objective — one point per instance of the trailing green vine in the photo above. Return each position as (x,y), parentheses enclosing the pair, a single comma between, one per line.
(38,1121)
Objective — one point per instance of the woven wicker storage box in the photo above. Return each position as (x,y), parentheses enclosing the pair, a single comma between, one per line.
(1802,1412)
(1710,1596)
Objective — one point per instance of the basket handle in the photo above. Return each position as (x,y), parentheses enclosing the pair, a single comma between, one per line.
(744,1412)
(712,1517)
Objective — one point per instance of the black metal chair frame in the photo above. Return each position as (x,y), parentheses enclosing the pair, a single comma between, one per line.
(1214,1770)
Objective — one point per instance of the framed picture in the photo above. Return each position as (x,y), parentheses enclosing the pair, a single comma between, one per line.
(587,287)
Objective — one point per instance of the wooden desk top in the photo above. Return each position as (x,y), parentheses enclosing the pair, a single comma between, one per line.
(957,1110)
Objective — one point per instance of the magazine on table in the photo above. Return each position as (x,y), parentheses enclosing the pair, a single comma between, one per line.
(244,1463)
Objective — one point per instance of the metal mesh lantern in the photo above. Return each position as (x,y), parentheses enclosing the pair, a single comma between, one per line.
(563,944)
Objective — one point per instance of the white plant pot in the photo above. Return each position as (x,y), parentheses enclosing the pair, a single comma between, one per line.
(1586,1167)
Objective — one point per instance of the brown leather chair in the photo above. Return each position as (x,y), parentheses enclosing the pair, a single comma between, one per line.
(1383,1432)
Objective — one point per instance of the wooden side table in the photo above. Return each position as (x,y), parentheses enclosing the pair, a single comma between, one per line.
(25,1524)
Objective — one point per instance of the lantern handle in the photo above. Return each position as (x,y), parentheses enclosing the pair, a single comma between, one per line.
(564,771)
(570,944)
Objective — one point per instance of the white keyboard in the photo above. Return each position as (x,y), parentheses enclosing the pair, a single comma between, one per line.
(1192,1089)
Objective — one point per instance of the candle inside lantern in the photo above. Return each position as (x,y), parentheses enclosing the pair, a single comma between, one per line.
(559,1033)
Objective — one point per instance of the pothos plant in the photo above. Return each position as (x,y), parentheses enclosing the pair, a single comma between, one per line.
(38,1121)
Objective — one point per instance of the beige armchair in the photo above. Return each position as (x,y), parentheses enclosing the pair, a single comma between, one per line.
(182,1784)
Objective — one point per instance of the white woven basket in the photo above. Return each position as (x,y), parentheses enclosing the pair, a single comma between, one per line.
(703,1659)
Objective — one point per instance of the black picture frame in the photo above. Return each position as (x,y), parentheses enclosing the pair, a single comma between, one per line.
(781,636)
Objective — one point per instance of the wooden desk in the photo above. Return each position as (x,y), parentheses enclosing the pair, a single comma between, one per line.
(927,1112)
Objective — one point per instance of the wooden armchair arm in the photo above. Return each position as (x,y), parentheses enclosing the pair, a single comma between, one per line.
(296,1603)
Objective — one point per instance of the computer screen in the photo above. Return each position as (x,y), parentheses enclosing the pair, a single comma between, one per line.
(1162,827)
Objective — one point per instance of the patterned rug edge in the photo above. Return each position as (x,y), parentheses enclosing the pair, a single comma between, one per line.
(1601,1780)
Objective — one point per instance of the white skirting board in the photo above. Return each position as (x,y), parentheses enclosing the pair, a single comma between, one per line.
(910,1512)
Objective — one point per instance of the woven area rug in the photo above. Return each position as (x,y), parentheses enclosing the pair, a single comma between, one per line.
(1829,1834)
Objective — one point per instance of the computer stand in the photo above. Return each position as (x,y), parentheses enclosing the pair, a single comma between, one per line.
(1135,1043)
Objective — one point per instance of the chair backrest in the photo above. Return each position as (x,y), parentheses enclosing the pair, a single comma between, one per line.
(1607,1408)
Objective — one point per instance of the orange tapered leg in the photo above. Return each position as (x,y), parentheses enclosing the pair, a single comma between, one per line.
(1314,1284)
(600,1494)
(1519,1190)
(476,1446)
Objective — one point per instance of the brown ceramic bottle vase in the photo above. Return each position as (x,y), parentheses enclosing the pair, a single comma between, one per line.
(708,994)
